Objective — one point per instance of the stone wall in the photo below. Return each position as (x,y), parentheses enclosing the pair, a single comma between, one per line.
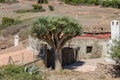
(87,48)
(90,48)
(36,44)
(69,55)
(109,69)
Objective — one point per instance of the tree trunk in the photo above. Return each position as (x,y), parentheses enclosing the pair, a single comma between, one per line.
(58,59)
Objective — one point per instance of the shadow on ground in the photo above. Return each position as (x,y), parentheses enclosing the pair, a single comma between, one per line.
(74,65)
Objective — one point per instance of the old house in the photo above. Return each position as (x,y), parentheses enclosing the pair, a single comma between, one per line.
(94,43)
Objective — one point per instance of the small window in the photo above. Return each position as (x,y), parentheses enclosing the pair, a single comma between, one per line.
(89,49)
(96,33)
(112,23)
(110,37)
(101,29)
(116,23)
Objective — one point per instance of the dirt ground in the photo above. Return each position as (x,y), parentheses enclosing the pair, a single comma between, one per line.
(87,15)
(83,72)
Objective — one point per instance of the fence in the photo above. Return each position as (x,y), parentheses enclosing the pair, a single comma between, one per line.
(18,58)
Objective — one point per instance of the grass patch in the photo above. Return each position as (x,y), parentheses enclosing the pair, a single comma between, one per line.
(51,7)
(13,72)
(24,10)
(29,10)
(8,1)
(6,22)
(36,8)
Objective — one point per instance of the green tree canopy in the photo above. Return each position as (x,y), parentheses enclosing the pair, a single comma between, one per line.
(56,31)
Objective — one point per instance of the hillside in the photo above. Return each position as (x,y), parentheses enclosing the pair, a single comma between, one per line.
(92,18)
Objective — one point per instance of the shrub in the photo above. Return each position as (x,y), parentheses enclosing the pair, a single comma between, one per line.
(37,7)
(116,4)
(13,72)
(24,10)
(97,2)
(46,2)
(7,21)
(73,1)
(106,3)
(103,3)
(115,50)
(51,8)
(42,1)
(2,1)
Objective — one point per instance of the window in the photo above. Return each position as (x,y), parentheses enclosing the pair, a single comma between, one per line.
(96,33)
(88,49)
(101,29)
(112,23)
(116,23)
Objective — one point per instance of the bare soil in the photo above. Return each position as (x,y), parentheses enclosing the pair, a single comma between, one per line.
(100,73)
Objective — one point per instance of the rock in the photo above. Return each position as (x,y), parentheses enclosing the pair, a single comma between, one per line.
(109,60)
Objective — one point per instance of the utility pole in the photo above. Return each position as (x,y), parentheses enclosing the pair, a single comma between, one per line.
(22,58)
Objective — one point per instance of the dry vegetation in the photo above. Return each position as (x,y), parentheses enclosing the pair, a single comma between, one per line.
(91,17)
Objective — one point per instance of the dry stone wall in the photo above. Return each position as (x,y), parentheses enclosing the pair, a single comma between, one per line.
(86,48)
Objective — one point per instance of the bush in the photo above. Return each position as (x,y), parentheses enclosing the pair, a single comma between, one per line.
(24,10)
(115,50)
(42,1)
(7,21)
(41,10)
(106,3)
(2,1)
(13,72)
(103,3)
(46,2)
(37,7)
(51,8)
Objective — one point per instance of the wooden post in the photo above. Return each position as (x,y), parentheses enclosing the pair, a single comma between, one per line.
(33,55)
(45,54)
(10,60)
(22,58)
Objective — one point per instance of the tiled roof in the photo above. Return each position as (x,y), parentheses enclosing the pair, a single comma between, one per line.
(91,36)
